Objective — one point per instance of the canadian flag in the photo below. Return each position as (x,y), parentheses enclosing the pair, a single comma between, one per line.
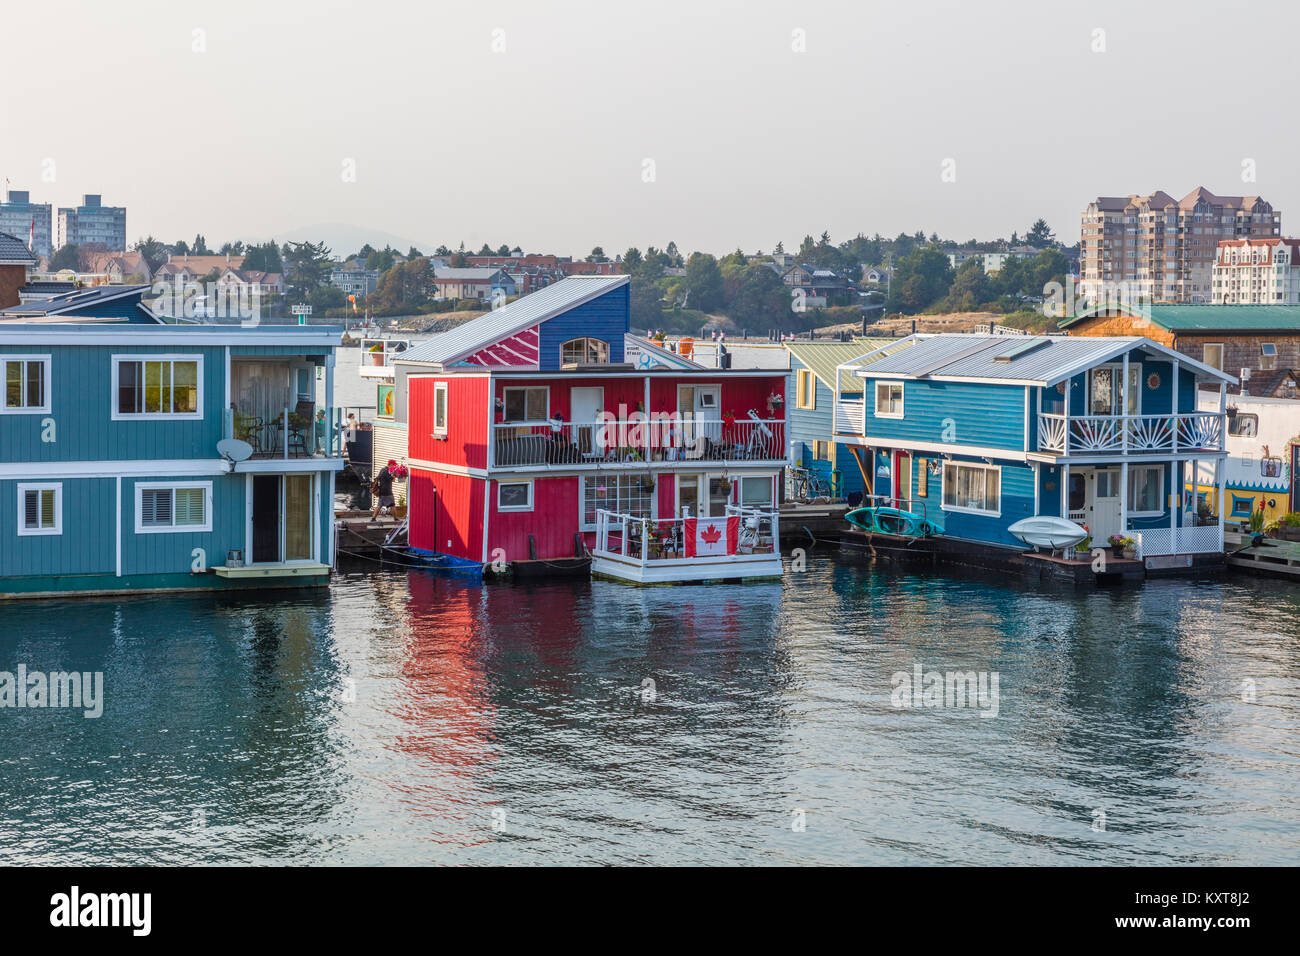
(707,537)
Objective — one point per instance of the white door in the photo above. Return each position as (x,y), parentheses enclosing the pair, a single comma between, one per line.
(708,413)
(585,406)
(1104,505)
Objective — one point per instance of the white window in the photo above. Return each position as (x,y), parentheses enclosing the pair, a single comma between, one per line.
(585,351)
(26,384)
(162,507)
(1213,355)
(40,509)
(157,386)
(527,404)
(889,399)
(514,496)
(975,489)
(622,494)
(806,389)
(440,409)
(1146,485)
(1267,356)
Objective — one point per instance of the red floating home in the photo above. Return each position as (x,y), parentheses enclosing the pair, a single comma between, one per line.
(545,436)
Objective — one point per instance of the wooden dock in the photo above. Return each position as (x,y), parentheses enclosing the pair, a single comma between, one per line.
(1273,556)
(359,537)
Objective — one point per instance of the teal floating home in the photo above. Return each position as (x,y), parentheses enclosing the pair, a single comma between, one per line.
(165,457)
(977,432)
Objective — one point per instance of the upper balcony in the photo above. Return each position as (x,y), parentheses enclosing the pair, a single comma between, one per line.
(274,410)
(1184,433)
(636,443)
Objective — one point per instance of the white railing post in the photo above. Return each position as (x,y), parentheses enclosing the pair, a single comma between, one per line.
(645,541)
(284,432)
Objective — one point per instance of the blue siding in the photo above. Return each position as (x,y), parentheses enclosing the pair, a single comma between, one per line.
(955,413)
(171,552)
(87,544)
(1017,501)
(604,317)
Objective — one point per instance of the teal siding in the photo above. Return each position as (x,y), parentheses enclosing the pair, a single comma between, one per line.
(954,413)
(86,545)
(81,399)
(171,552)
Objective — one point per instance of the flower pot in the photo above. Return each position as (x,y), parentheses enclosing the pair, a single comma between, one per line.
(399,512)
(1117,550)
(1130,554)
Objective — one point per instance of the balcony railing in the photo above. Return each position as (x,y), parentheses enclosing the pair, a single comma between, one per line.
(850,417)
(635,443)
(307,431)
(1132,434)
(1156,542)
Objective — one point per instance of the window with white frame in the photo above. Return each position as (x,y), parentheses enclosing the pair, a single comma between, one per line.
(40,508)
(514,496)
(157,386)
(756,492)
(527,404)
(1146,488)
(622,494)
(805,389)
(26,384)
(584,351)
(1267,356)
(173,506)
(976,489)
(1212,355)
(889,399)
(440,409)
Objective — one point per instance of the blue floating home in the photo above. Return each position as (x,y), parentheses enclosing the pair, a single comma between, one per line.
(976,432)
(814,378)
(117,472)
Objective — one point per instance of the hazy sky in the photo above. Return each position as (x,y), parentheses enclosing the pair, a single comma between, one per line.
(542,141)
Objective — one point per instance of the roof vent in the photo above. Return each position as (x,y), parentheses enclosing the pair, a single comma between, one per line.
(1021,349)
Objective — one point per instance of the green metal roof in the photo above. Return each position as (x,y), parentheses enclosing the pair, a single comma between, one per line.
(1212,318)
(822,358)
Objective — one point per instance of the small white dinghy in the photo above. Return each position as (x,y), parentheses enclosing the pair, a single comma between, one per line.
(1045,531)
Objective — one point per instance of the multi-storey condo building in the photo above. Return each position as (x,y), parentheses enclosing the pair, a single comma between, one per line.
(93,222)
(1164,248)
(1257,272)
(30,221)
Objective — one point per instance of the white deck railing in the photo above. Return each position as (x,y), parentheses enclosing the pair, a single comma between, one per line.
(636,443)
(850,417)
(1154,542)
(648,541)
(1136,434)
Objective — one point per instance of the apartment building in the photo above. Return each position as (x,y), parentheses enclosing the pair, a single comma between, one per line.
(1257,272)
(1165,248)
(30,221)
(93,222)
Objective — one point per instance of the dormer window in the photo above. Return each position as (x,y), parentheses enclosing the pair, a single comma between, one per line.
(584,351)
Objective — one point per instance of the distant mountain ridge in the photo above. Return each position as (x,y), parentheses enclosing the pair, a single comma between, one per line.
(346,238)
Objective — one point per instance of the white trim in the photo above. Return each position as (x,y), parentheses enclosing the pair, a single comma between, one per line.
(118,525)
(43,409)
(907,444)
(119,416)
(113,469)
(960,509)
(23,488)
(875,405)
(1206,345)
(142,486)
(512,508)
(99,334)
(441,431)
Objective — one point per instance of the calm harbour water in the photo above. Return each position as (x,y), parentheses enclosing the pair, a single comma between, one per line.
(409,718)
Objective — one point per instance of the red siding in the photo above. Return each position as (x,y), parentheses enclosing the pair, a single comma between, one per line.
(552,522)
(467,418)
(446,514)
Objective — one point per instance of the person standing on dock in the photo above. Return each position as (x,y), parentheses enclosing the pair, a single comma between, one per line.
(381,489)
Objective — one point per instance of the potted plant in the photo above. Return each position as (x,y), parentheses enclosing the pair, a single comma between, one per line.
(1084,546)
(775,401)
(1204,514)
(1256,523)
(1130,548)
(377,354)
(399,509)
(1116,542)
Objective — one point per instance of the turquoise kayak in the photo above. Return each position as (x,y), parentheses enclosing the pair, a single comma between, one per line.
(882,520)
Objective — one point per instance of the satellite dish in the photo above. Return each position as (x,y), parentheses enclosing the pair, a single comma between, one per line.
(234,449)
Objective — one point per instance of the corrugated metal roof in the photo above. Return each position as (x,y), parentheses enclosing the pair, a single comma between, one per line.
(510,319)
(823,358)
(1212,318)
(960,356)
